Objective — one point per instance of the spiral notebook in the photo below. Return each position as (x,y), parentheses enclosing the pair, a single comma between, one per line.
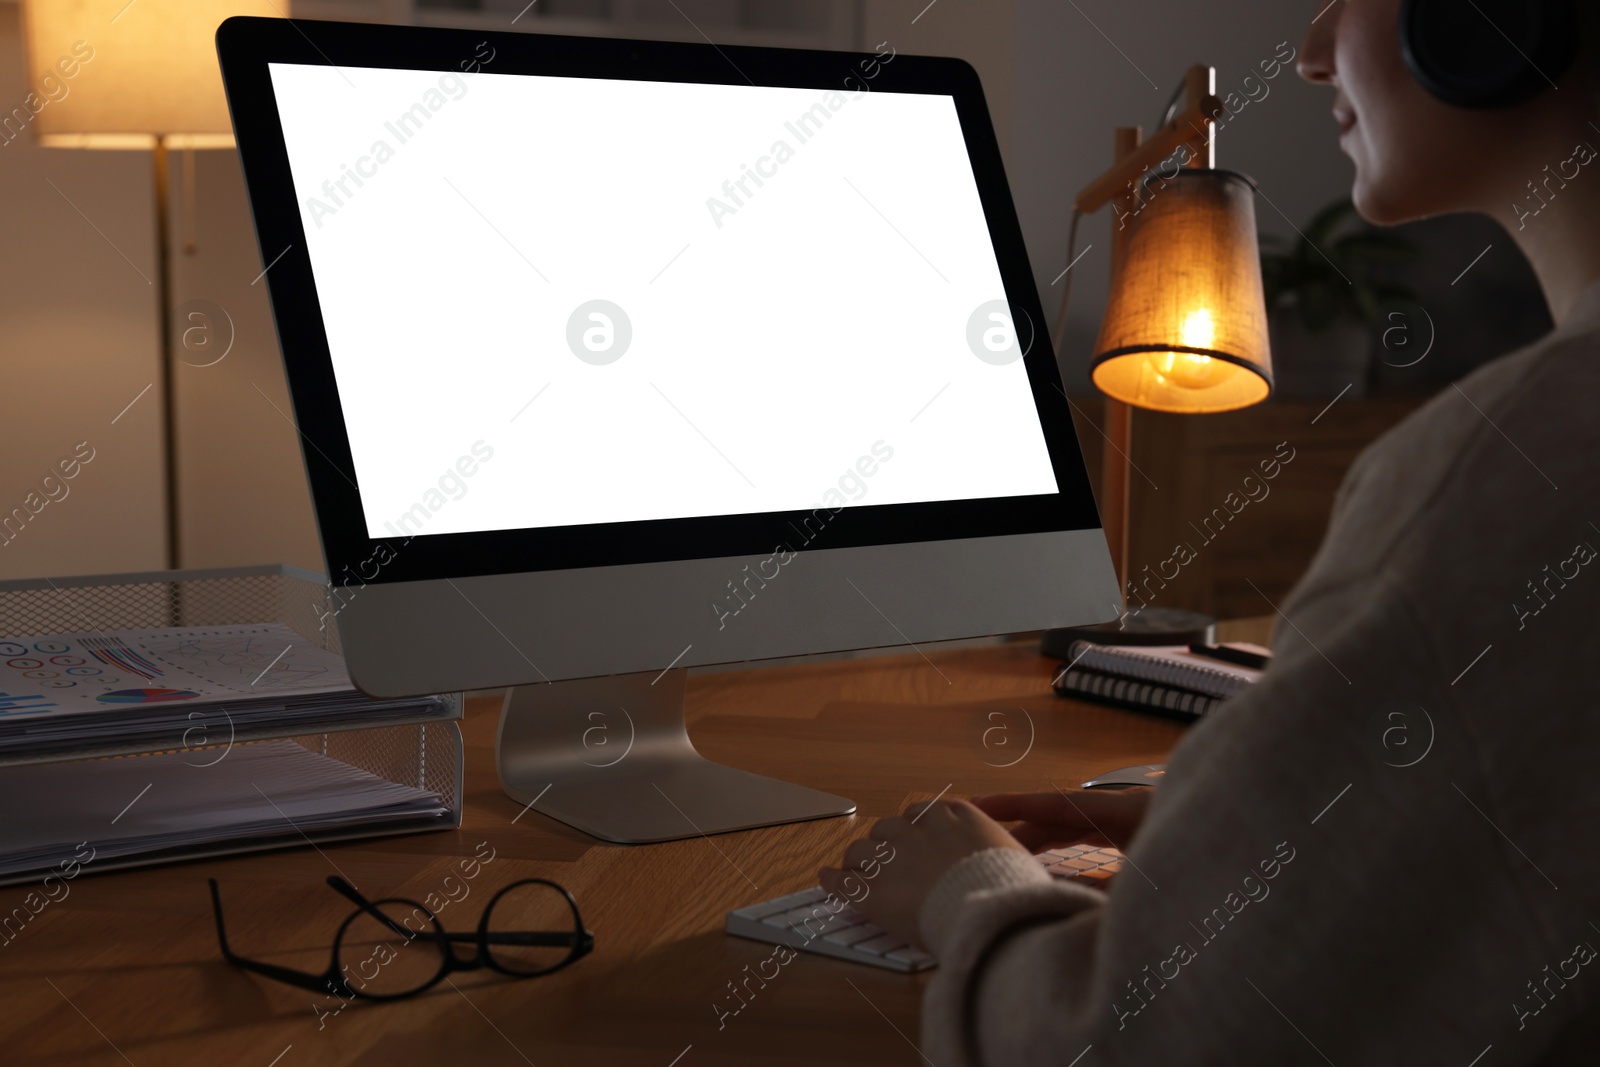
(1166,679)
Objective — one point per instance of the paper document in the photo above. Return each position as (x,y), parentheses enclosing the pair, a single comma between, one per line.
(123,807)
(85,672)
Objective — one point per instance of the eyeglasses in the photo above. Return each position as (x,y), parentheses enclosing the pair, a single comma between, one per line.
(397,948)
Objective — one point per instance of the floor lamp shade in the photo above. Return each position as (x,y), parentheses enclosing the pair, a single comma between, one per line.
(1186,326)
(115,74)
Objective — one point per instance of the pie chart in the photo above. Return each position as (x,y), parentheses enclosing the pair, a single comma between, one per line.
(145,696)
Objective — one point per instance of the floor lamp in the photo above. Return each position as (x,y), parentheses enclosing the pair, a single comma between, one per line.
(115,74)
(1185,329)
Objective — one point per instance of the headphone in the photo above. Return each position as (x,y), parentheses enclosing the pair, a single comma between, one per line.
(1488,53)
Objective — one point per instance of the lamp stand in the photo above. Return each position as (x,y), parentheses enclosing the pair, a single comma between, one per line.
(168,372)
(1116,465)
(1149,626)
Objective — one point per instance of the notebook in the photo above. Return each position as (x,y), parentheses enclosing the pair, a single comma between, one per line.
(1166,679)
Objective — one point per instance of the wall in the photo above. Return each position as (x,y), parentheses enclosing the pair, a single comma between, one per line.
(244,497)
(982,33)
(80,341)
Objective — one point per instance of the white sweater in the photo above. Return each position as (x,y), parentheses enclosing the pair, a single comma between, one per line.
(1386,851)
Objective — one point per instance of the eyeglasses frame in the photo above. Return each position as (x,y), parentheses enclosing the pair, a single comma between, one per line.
(580,940)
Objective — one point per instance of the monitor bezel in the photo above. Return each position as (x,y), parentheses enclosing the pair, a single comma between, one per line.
(247,45)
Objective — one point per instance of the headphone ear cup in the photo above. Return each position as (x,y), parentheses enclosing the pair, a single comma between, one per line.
(1488,53)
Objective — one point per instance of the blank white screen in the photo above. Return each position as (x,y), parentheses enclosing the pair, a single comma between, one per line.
(776,339)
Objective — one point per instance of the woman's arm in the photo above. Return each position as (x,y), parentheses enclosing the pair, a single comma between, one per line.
(1294,896)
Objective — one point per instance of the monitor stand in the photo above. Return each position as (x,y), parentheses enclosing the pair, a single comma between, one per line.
(612,757)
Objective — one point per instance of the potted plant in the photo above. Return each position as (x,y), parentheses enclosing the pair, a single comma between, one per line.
(1324,296)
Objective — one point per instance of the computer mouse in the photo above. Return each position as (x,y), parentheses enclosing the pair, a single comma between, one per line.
(1143,774)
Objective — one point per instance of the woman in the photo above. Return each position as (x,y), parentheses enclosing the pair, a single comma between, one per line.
(1385,851)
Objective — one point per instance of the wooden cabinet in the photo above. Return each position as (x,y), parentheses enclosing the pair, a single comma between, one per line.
(1228,510)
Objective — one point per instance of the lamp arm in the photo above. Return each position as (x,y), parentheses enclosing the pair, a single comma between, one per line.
(1192,126)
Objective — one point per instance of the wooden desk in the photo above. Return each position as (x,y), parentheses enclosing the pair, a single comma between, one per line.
(125,970)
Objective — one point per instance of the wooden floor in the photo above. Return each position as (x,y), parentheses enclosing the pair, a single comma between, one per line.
(125,969)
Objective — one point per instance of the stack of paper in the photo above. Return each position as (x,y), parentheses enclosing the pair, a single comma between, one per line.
(186,688)
(97,811)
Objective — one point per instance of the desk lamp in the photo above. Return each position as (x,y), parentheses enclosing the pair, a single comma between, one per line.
(150,81)
(1185,329)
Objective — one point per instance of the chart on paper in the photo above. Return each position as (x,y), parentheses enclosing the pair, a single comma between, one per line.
(64,673)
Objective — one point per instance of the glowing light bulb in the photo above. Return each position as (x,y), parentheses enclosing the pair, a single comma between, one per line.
(1187,370)
(1198,331)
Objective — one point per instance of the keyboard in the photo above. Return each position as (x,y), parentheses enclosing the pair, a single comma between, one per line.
(802,921)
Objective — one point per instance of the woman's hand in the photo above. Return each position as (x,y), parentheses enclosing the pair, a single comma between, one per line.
(1070,816)
(887,874)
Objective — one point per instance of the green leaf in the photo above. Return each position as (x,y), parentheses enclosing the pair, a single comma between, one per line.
(1366,303)
(1324,222)
(1393,293)
(1375,245)
(1320,304)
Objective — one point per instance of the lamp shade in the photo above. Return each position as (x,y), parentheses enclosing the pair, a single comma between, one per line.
(1186,326)
(115,74)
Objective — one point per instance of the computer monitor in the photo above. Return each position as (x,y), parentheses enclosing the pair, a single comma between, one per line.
(612,358)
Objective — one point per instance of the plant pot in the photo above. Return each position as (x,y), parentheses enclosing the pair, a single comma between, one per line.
(1317,365)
